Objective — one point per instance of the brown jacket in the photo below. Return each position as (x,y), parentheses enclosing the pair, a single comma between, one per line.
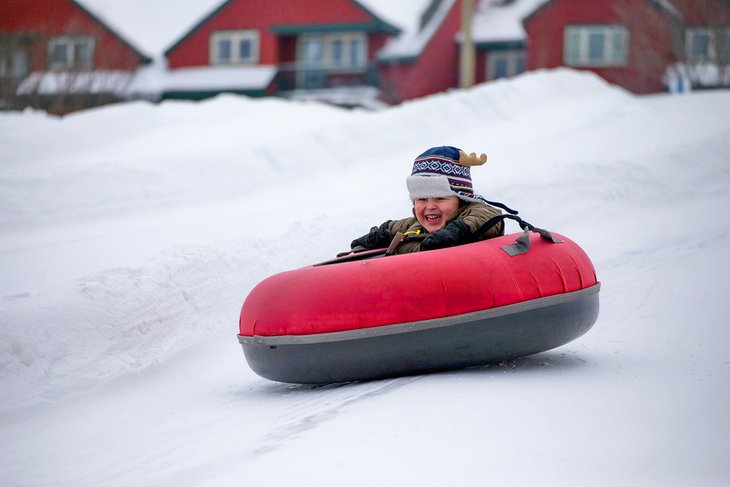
(473,214)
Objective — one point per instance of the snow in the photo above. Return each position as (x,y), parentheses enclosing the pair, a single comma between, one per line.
(153,79)
(101,81)
(494,22)
(412,41)
(132,233)
(151,26)
(404,15)
(669,7)
(699,74)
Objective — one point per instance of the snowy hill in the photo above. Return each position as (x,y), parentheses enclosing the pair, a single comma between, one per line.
(132,233)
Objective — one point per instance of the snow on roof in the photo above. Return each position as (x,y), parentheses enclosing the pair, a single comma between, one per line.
(149,81)
(498,20)
(154,80)
(414,37)
(669,7)
(96,82)
(405,15)
(153,25)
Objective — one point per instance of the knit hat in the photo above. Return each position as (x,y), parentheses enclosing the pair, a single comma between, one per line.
(444,171)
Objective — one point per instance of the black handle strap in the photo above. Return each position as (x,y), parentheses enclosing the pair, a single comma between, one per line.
(503,206)
(522,243)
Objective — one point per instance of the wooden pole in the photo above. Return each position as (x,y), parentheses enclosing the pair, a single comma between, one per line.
(466,64)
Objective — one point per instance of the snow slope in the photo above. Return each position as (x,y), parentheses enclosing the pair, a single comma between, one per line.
(132,233)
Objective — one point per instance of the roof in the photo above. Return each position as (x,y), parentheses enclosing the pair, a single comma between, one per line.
(165,22)
(668,6)
(495,22)
(108,26)
(500,21)
(155,79)
(377,24)
(153,24)
(94,82)
(404,14)
(665,5)
(150,81)
(422,20)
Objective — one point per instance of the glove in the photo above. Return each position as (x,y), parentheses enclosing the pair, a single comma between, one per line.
(376,238)
(456,232)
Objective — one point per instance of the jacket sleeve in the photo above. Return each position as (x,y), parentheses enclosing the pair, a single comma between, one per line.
(412,243)
(403,225)
(477,214)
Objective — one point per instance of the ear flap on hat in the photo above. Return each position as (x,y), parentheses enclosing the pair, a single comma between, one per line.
(471,159)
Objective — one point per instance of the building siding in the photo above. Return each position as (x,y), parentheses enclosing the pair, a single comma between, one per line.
(40,20)
(435,70)
(193,50)
(651,46)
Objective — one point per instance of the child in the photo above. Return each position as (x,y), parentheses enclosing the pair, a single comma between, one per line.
(446,211)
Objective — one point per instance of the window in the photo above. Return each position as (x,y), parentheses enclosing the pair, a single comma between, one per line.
(596,45)
(234,47)
(71,52)
(322,55)
(704,44)
(333,51)
(698,44)
(337,54)
(504,64)
(312,52)
(357,52)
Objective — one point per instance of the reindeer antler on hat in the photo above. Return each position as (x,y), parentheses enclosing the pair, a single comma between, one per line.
(444,171)
(471,159)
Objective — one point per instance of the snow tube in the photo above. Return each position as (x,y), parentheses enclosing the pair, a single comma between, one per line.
(367,316)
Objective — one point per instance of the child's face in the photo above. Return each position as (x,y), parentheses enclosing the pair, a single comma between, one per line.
(434,213)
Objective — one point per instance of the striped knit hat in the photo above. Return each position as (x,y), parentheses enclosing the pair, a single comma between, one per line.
(444,171)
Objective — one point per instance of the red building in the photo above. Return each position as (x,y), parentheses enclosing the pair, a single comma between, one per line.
(318,49)
(285,45)
(427,60)
(627,42)
(56,55)
(704,51)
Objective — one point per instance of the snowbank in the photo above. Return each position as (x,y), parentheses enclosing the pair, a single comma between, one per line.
(132,233)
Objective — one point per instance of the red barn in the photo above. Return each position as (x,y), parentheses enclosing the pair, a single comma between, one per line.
(57,55)
(627,42)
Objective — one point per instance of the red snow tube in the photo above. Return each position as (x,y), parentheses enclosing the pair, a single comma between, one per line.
(369,317)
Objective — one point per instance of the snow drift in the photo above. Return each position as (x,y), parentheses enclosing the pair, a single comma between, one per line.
(132,233)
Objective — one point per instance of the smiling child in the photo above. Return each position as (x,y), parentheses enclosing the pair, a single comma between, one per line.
(446,211)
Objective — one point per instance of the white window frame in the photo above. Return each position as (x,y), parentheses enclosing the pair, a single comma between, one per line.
(576,45)
(351,59)
(512,56)
(70,44)
(235,37)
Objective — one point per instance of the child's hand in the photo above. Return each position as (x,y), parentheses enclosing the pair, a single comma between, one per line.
(377,238)
(456,232)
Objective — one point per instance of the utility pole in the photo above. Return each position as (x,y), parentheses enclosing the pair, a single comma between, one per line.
(466,61)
